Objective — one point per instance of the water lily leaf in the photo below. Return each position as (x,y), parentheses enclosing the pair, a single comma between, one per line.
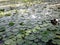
(2,29)
(56,41)
(20,41)
(34,44)
(30,37)
(37,27)
(22,23)
(10,42)
(27,42)
(7,14)
(11,23)
(19,36)
(2,10)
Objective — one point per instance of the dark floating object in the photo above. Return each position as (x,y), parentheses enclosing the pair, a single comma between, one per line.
(54,21)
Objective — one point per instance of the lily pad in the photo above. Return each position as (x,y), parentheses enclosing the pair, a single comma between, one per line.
(11,23)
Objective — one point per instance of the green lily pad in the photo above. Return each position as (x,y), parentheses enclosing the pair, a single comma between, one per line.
(22,23)
(7,14)
(11,23)
(2,29)
(10,42)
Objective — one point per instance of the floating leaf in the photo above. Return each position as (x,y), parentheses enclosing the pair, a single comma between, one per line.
(2,10)
(11,23)
(30,37)
(19,36)
(10,42)
(22,23)
(20,41)
(2,29)
(7,14)
(34,44)
(56,41)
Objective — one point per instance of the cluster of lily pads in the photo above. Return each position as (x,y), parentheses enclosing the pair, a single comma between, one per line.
(29,26)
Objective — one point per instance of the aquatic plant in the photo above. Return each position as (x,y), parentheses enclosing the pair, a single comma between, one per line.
(11,23)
